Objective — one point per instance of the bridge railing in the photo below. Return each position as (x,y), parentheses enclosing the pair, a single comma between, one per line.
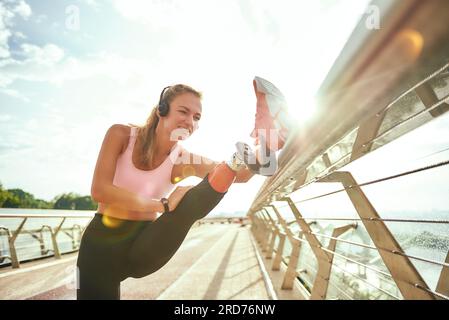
(325,218)
(49,234)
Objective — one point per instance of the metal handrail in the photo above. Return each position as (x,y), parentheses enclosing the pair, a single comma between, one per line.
(332,284)
(439,295)
(344,257)
(38,233)
(441,101)
(356,262)
(340,290)
(361,279)
(444,264)
(443,163)
(343,157)
(365,281)
(434,106)
(369,219)
(53,215)
(430,77)
(383,249)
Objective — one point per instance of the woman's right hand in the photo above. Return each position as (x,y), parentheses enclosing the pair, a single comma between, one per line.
(176,196)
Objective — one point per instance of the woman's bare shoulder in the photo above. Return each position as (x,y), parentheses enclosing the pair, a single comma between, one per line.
(120,129)
(120,133)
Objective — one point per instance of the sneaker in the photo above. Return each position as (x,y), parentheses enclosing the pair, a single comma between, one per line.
(265,164)
(236,162)
(272,120)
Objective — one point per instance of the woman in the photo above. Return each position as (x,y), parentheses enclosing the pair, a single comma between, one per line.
(137,168)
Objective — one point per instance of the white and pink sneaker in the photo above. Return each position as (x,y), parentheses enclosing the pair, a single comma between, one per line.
(272,119)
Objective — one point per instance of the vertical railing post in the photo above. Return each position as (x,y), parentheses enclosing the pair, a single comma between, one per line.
(261,228)
(280,249)
(323,258)
(258,227)
(12,247)
(255,226)
(266,232)
(54,234)
(290,273)
(75,239)
(403,272)
(270,250)
(273,235)
(321,291)
(443,281)
(38,235)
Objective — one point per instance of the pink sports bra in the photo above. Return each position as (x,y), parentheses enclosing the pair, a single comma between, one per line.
(154,184)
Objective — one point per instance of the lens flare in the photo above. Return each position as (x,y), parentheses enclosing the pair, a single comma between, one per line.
(109,221)
(411,42)
(188,171)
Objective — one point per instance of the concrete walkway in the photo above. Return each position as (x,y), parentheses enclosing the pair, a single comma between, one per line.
(228,270)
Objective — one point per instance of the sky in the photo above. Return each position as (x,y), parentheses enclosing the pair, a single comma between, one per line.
(71,69)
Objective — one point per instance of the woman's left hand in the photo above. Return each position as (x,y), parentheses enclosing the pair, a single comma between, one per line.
(176,196)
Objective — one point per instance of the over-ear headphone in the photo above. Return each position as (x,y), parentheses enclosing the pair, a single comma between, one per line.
(163,106)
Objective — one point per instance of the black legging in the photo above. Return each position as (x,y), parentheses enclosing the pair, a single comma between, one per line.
(136,249)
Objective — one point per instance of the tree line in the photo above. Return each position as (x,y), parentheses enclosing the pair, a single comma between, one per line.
(17,198)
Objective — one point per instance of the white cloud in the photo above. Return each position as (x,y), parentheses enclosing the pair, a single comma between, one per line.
(157,13)
(5,80)
(19,35)
(8,10)
(49,54)
(4,48)
(93,3)
(34,66)
(40,18)
(37,59)
(14,93)
(5,20)
(5,117)
(22,9)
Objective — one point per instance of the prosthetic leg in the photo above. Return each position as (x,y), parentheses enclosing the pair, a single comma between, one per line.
(224,174)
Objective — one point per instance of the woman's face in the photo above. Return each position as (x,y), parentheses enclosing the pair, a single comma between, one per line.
(183,116)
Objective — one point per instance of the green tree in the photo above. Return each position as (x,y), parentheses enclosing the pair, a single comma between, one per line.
(3,194)
(42,204)
(26,200)
(65,201)
(85,203)
(7,199)
(74,201)
(11,201)
(18,198)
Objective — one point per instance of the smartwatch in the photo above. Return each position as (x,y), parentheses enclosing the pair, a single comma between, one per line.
(165,203)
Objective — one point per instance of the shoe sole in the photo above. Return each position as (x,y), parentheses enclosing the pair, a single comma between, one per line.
(277,106)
